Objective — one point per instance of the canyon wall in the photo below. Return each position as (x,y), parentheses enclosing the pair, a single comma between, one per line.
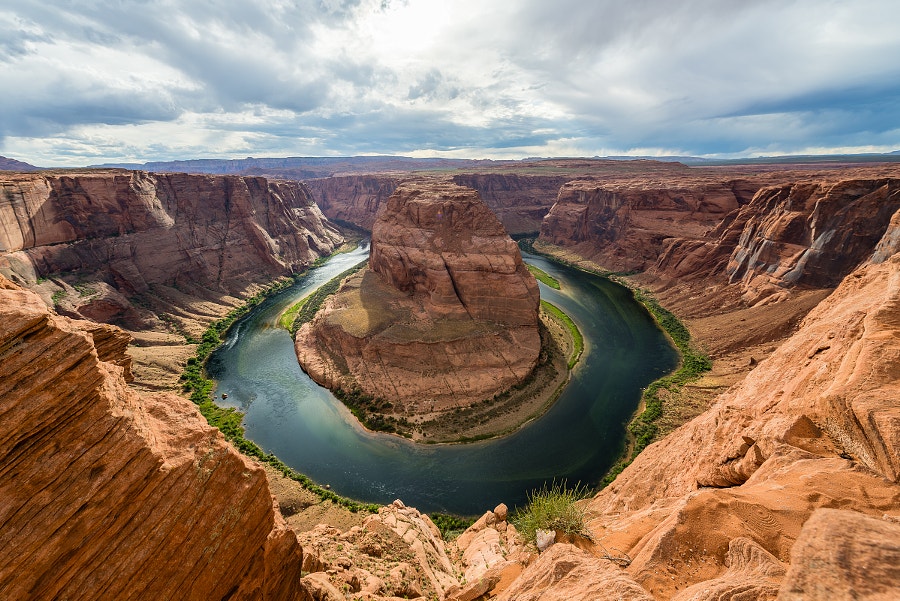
(815,425)
(137,229)
(519,201)
(108,495)
(802,235)
(623,225)
(353,198)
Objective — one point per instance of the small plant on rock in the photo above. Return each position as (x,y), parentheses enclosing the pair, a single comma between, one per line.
(554,508)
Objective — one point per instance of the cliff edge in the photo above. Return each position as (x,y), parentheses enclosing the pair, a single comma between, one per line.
(109,495)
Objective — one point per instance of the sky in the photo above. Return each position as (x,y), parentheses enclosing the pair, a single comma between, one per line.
(94,81)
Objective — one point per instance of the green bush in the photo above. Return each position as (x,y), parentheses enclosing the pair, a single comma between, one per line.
(450,525)
(553,508)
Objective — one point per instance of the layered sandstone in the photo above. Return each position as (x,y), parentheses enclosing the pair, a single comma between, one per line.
(622,225)
(108,495)
(445,315)
(354,199)
(814,425)
(136,229)
(159,255)
(520,201)
(803,235)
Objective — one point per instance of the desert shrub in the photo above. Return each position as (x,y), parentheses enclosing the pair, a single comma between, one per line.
(553,508)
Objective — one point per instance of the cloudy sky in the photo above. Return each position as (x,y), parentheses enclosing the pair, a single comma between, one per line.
(93,81)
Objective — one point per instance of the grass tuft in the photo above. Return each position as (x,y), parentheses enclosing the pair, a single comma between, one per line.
(543,277)
(554,508)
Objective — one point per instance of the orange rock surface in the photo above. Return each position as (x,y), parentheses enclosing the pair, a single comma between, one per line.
(108,495)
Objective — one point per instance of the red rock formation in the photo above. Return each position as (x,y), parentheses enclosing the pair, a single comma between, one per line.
(814,425)
(353,198)
(519,201)
(107,495)
(796,235)
(446,315)
(136,229)
(623,226)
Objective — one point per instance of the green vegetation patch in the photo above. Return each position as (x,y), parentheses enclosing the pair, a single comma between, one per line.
(543,277)
(307,308)
(694,363)
(451,526)
(578,339)
(554,508)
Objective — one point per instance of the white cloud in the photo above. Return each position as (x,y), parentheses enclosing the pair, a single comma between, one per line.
(160,79)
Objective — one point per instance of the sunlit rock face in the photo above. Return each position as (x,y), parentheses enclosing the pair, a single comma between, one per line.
(110,495)
(445,315)
(797,235)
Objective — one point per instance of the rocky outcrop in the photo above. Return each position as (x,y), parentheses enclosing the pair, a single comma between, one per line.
(108,495)
(814,425)
(446,314)
(519,201)
(397,552)
(622,226)
(798,235)
(844,555)
(133,230)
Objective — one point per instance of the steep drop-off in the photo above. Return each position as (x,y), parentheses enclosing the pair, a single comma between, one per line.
(622,226)
(160,255)
(815,425)
(107,495)
(446,314)
(807,235)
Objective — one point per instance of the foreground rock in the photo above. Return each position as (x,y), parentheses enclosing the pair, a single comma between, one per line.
(445,316)
(108,495)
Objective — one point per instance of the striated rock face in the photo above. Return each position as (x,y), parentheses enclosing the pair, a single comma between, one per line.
(446,314)
(797,235)
(844,555)
(623,226)
(519,201)
(353,198)
(135,229)
(107,495)
(814,425)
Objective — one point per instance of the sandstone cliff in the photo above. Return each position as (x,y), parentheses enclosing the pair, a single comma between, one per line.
(136,229)
(446,315)
(353,198)
(622,225)
(520,201)
(107,495)
(160,255)
(804,235)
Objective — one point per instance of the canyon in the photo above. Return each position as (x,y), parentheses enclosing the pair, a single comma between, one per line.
(780,482)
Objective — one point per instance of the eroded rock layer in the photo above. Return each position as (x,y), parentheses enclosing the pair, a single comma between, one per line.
(797,235)
(814,425)
(446,314)
(139,229)
(107,495)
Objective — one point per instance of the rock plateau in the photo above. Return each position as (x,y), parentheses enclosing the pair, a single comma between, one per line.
(445,315)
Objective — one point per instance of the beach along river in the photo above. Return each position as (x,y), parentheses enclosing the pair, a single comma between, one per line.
(577,440)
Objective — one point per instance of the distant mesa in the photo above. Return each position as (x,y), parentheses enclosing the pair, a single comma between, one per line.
(7,164)
(445,315)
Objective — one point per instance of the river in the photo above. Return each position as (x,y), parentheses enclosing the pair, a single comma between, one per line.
(577,440)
